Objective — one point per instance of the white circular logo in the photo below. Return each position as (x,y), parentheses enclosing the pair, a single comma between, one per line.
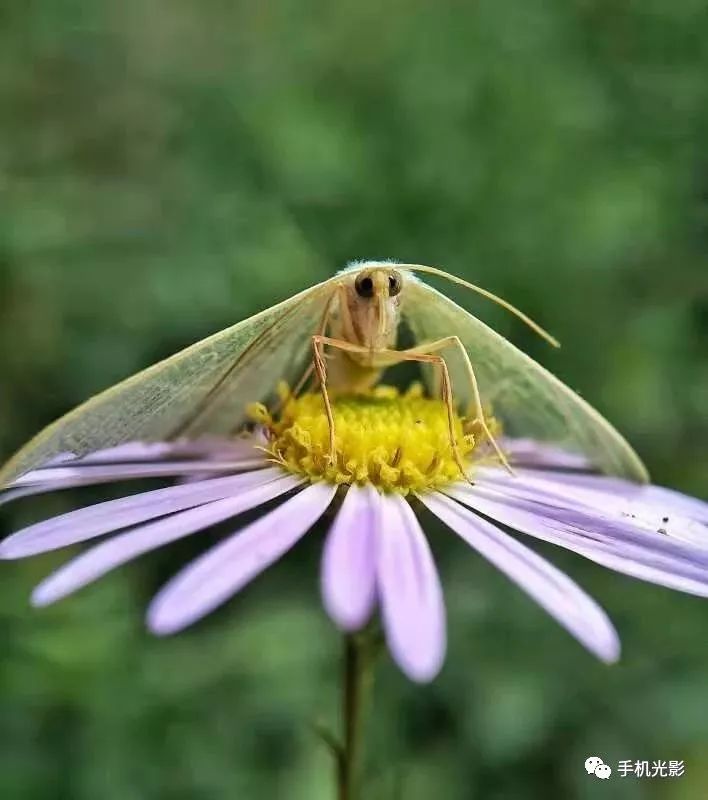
(591,764)
(594,765)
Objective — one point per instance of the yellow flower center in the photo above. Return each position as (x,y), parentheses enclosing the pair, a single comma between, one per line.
(399,442)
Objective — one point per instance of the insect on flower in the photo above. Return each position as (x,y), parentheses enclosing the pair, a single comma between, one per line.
(205,389)
(377,456)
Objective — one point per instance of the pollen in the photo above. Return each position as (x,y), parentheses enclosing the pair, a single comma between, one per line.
(396,441)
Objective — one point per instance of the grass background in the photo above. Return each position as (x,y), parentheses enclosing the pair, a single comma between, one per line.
(167,168)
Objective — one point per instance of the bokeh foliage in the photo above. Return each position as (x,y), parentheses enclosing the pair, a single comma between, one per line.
(167,168)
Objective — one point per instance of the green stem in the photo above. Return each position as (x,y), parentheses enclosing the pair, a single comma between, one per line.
(355,684)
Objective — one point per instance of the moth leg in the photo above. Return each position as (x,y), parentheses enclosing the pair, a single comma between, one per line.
(446,390)
(454,341)
(392,357)
(310,369)
(304,378)
(318,361)
(321,331)
(295,391)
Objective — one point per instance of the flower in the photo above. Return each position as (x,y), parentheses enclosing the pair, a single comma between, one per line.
(392,459)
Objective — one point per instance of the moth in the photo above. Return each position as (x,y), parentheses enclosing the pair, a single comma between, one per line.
(344,330)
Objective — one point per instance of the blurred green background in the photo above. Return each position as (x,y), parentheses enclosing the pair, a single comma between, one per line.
(167,168)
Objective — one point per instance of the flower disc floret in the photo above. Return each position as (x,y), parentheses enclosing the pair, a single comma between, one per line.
(398,442)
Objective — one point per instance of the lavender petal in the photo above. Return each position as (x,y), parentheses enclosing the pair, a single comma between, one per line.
(636,505)
(554,591)
(8,495)
(684,504)
(349,559)
(622,547)
(204,447)
(668,500)
(67,476)
(532,453)
(95,520)
(217,575)
(412,604)
(110,554)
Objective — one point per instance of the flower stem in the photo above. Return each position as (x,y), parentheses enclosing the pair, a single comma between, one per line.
(355,686)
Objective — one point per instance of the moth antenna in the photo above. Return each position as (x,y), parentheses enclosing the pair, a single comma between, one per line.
(489,295)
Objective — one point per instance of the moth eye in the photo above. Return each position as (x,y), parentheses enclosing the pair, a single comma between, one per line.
(394,285)
(364,286)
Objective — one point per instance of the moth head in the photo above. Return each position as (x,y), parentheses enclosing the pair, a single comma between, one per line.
(378,283)
(373,301)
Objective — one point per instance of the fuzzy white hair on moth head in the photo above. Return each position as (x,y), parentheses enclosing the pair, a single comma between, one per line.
(359,264)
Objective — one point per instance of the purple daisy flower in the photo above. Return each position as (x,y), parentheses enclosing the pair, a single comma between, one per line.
(392,459)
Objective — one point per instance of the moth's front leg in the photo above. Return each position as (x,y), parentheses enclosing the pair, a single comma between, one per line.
(320,365)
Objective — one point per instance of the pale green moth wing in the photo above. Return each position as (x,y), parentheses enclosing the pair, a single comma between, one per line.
(529,400)
(201,390)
